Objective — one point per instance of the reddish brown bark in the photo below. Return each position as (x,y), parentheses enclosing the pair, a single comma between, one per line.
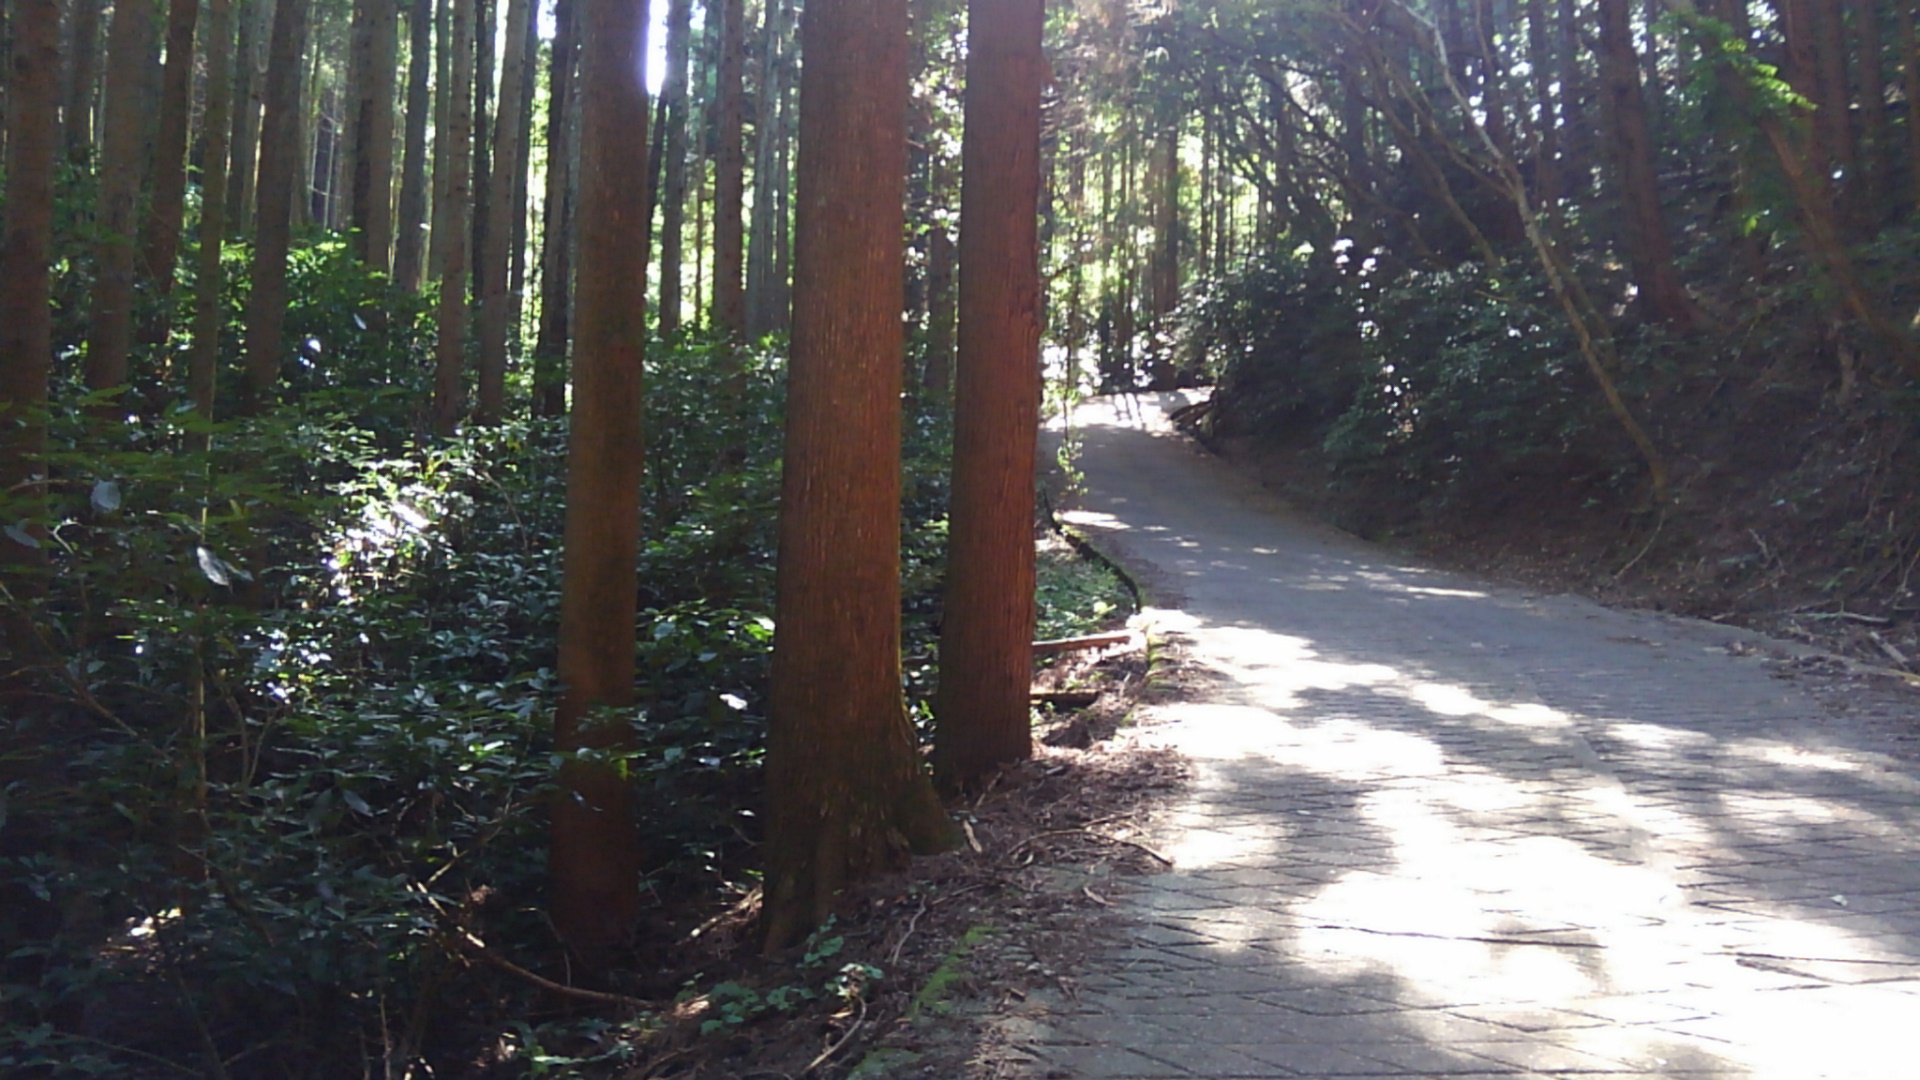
(556,240)
(370,179)
(280,153)
(204,353)
(1649,246)
(496,259)
(110,335)
(26,325)
(673,194)
(729,177)
(986,634)
(410,227)
(846,790)
(82,60)
(450,225)
(160,234)
(594,859)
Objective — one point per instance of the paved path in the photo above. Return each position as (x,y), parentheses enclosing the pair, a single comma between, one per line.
(1440,828)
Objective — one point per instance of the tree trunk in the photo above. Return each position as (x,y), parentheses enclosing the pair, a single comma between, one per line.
(1910,79)
(763,314)
(936,373)
(203,359)
(594,857)
(442,144)
(729,183)
(846,790)
(1876,155)
(986,635)
(410,228)
(450,323)
(256,25)
(480,178)
(371,184)
(556,239)
(1546,173)
(496,268)
(110,336)
(1649,247)
(1165,290)
(522,175)
(160,242)
(1834,120)
(26,307)
(673,166)
(280,150)
(81,76)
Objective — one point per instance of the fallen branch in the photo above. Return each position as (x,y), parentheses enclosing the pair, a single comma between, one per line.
(1066,699)
(1055,646)
(827,1054)
(479,948)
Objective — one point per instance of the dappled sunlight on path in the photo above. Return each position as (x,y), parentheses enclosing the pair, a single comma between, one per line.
(1440,828)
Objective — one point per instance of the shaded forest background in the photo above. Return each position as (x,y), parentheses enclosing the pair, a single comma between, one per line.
(1620,292)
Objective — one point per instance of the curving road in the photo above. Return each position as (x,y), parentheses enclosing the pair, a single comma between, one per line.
(1441,828)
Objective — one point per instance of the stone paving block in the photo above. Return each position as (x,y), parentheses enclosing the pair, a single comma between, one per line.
(1105,1063)
(1217,1060)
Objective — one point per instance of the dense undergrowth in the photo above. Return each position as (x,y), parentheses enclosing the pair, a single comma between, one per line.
(1453,406)
(281,758)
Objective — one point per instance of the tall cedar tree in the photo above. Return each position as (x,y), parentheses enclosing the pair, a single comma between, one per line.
(26,321)
(410,227)
(450,220)
(110,332)
(204,354)
(370,183)
(160,236)
(1644,233)
(77,112)
(729,174)
(673,197)
(986,654)
(846,789)
(556,238)
(495,275)
(280,146)
(594,857)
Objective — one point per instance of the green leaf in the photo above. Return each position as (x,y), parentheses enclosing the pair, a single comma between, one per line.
(19,535)
(106,496)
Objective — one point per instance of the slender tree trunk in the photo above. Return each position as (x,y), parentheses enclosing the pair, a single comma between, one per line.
(936,373)
(594,857)
(26,320)
(556,240)
(522,175)
(160,240)
(986,653)
(410,228)
(129,53)
(763,315)
(673,198)
(1834,119)
(203,359)
(371,156)
(1546,173)
(449,349)
(1165,290)
(81,77)
(1910,79)
(497,269)
(481,177)
(729,184)
(1577,143)
(280,149)
(442,144)
(846,790)
(1649,246)
(1876,155)
(250,67)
